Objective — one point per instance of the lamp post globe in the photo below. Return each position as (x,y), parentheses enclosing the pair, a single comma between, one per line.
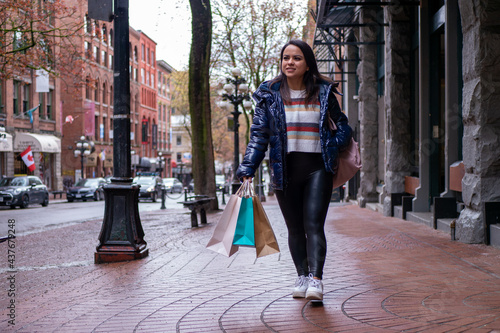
(83,148)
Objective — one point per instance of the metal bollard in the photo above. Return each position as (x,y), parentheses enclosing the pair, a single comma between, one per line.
(223,191)
(163,195)
(185,194)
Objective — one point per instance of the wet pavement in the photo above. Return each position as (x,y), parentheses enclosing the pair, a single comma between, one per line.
(382,274)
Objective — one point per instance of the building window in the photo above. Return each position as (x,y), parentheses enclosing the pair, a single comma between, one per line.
(179,140)
(179,157)
(110,61)
(153,58)
(96,128)
(135,75)
(147,79)
(41,109)
(96,54)
(87,49)
(88,24)
(111,37)
(26,97)
(159,112)
(96,92)
(142,75)
(50,113)
(152,80)
(15,97)
(104,58)
(142,52)
(87,88)
(104,34)
(104,94)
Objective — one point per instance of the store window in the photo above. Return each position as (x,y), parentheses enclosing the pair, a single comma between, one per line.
(179,140)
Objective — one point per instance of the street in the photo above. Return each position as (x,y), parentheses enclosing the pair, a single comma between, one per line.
(36,218)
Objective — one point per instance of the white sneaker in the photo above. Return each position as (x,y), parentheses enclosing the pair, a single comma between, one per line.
(314,289)
(300,287)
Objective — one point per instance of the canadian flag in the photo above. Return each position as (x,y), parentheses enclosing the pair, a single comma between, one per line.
(28,159)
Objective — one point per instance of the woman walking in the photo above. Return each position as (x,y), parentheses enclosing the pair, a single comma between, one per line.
(292,116)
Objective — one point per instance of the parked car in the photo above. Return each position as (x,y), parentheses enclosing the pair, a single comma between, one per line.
(22,191)
(150,187)
(172,185)
(87,189)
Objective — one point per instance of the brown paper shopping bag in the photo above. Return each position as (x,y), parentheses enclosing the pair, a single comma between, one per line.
(265,240)
(222,239)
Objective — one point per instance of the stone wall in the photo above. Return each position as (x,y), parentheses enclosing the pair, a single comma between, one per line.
(481,114)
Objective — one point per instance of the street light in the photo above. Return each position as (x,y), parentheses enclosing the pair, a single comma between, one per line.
(161,160)
(83,148)
(236,93)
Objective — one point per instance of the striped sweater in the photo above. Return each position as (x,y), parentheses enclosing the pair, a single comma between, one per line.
(302,124)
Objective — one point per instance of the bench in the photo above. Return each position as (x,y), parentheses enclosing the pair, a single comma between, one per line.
(60,193)
(197,203)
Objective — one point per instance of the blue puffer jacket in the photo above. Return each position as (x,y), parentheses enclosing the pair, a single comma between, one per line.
(269,128)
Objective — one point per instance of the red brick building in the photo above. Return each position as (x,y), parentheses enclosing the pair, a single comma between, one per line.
(41,132)
(88,109)
(148,106)
(164,113)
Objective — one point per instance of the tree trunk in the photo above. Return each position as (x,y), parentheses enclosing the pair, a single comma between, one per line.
(199,100)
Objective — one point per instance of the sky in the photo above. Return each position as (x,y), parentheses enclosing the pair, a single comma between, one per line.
(168,23)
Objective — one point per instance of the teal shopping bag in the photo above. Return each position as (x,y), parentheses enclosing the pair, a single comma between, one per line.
(245,233)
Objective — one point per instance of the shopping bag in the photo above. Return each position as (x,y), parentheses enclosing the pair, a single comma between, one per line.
(349,160)
(265,240)
(244,233)
(222,239)
(349,164)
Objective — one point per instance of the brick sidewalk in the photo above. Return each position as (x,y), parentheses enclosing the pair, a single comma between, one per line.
(382,275)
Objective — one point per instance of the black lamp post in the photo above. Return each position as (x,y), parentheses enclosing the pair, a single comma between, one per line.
(161,161)
(236,94)
(83,148)
(122,236)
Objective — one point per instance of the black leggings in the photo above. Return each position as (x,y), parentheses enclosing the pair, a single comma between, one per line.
(304,204)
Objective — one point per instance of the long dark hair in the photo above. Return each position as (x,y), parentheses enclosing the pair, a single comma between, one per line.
(311,78)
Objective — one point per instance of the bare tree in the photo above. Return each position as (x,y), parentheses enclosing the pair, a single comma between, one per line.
(35,34)
(249,35)
(199,99)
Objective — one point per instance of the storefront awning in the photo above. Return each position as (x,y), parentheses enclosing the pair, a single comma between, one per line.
(39,142)
(5,141)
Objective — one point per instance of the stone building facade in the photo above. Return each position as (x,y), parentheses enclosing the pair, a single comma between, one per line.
(420,84)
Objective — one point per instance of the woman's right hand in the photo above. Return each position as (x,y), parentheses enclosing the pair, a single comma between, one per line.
(248,178)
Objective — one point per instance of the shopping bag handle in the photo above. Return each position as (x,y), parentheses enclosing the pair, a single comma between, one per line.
(245,190)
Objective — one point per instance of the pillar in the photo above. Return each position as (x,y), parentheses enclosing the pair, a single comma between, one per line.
(397,101)
(368,107)
(481,99)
